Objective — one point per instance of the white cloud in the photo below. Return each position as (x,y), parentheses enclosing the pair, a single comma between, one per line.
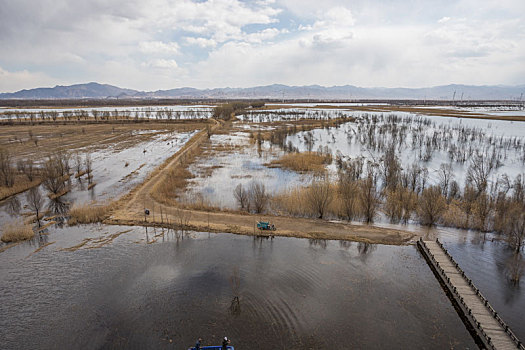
(14,81)
(133,43)
(162,63)
(158,47)
(201,42)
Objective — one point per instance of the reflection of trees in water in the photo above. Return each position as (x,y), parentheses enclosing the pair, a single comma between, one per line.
(514,268)
(322,243)
(364,248)
(58,207)
(235,283)
(13,206)
(345,244)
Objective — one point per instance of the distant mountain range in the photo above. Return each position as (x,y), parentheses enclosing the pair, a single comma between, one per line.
(277,91)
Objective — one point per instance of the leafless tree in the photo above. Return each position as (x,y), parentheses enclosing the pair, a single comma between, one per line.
(88,166)
(348,192)
(78,163)
(35,202)
(183,218)
(241,195)
(481,165)
(7,174)
(369,197)
(53,176)
(258,196)
(320,195)
(445,175)
(27,168)
(431,206)
(515,231)
(54,115)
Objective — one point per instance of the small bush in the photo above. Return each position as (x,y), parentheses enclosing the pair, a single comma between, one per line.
(17,231)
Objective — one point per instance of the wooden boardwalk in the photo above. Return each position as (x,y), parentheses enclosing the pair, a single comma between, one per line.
(487,327)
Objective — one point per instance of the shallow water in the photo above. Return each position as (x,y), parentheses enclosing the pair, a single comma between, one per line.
(293,293)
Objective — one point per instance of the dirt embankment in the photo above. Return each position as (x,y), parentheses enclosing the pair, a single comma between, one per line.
(130,211)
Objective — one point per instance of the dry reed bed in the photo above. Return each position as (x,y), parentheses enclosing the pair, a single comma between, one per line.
(303,162)
(21,185)
(16,231)
(89,213)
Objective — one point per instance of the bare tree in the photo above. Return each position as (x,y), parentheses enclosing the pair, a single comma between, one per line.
(258,196)
(54,115)
(445,175)
(183,218)
(515,231)
(35,202)
(368,197)
(320,195)
(481,165)
(52,174)
(88,166)
(7,174)
(241,195)
(27,168)
(78,164)
(348,192)
(431,206)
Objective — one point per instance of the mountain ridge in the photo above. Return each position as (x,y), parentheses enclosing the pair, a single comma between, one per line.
(94,90)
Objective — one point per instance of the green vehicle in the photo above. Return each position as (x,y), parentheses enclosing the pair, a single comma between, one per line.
(265,226)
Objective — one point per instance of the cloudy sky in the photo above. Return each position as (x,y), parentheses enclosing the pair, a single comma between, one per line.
(162,44)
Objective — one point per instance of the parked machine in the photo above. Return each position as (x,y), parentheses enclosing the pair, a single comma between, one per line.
(265,226)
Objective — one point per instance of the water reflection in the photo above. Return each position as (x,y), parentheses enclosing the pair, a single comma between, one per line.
(365,249)
(283,292)
(13,206)
(514,269)
(321,243)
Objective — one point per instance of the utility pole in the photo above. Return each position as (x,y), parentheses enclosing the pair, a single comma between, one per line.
(454,96)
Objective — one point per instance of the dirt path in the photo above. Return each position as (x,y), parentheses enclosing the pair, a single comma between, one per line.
(129,210)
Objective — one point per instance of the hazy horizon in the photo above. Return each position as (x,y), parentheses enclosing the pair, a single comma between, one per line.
(164,44)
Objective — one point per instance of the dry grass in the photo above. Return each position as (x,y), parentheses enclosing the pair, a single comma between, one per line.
(173,184)
(303,162)
(88,213)
(16,231)
(21,185)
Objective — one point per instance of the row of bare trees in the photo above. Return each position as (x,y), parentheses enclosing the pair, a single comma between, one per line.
(105,115)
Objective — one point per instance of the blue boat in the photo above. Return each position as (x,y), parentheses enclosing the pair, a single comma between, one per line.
(216,347)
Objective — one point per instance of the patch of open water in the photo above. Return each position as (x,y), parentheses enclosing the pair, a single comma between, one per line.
(293,293)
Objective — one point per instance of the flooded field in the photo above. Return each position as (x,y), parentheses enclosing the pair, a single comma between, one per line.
(114,286)
(424,141)
(218,173)
(292,293)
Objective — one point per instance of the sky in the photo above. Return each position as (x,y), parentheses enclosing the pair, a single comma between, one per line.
(165,44)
